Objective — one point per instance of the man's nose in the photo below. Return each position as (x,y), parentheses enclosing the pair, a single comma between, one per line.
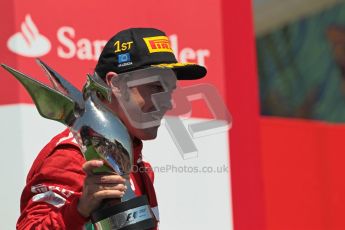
(141,101)
(138,98)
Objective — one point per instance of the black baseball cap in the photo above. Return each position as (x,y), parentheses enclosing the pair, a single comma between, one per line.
(138,48)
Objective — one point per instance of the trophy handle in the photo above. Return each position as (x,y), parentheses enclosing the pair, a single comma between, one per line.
(62,85)
(95,83)
(50,103)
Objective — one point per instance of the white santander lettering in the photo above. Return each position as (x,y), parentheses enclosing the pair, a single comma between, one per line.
(62,34)
(98,46)
(82,48)
(188,54)
(174,44)
(201,55)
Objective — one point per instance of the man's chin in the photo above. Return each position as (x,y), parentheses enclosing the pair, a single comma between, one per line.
(148,134)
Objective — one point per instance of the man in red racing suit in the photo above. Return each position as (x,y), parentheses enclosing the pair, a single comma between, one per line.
(61,190)
(55,182)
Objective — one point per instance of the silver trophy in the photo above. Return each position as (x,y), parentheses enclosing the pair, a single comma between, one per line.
(100,135)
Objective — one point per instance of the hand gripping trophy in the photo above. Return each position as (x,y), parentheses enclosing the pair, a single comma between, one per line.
(107,140)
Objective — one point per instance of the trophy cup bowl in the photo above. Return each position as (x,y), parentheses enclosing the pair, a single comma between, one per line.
(109,140)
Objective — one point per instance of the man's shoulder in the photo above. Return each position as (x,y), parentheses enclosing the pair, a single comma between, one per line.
(62,141)
(64,138)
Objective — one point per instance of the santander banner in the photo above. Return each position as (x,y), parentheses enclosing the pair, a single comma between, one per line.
(28,42)
(193,193)
(79,49)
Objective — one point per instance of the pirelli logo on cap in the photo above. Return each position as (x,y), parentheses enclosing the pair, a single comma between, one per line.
(158,44)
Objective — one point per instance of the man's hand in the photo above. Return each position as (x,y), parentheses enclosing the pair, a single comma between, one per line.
(98,187)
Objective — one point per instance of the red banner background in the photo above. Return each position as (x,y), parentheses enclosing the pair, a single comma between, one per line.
(218,34)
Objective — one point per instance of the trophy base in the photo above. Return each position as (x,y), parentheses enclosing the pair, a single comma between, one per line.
(134,214)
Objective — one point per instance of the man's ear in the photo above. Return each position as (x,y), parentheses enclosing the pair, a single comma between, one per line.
(109,76)
(114,88)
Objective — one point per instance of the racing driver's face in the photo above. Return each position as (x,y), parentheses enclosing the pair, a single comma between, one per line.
(141,97)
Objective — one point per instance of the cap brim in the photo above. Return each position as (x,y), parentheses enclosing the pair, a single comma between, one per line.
(185,71)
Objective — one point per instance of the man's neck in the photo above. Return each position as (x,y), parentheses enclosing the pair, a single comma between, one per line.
(136,141)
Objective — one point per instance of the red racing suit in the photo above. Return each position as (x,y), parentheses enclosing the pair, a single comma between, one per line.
(54,184)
